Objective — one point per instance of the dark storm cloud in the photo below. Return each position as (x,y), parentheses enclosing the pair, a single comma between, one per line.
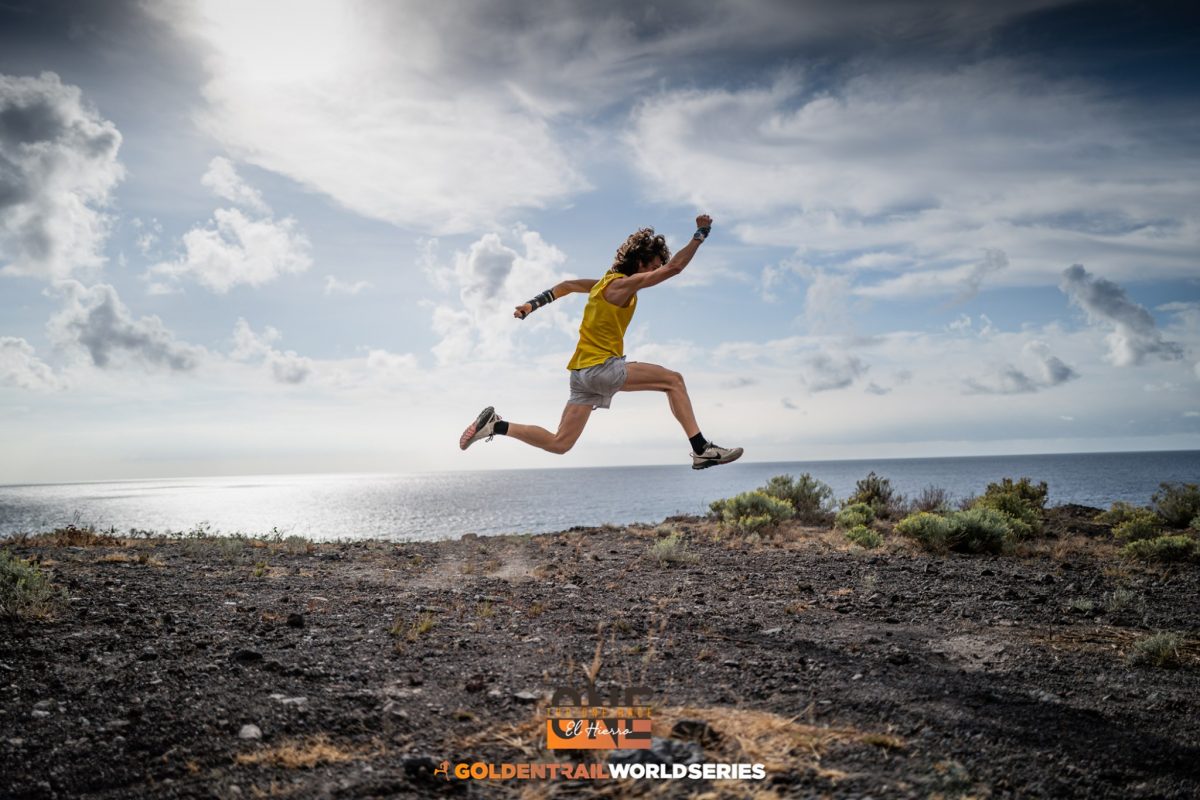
(1134,336)
(95,319)
(58,165)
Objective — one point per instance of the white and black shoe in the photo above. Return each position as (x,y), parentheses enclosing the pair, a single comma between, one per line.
(481,428)
(713,455)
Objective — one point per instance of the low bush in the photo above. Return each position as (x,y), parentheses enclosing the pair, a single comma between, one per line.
(1157,650)
(1141,524)
(854,515)
(1119,512)
(977,530)
(932,531)
(1177,503)
(25,591)
(752,511)
(1021,501)
(932,499)
(877,492)
(863,536)
(671,550)
(1163,549)
(811,499)
(982,530)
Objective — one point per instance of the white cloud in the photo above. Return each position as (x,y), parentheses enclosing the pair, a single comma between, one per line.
(93,319)
(924,168)
(20,367)
(285,365)
(238,250)
(333,285)
(824,372)
(58,167)
(1134,337)
(369,106)
(223,180)
(492,278)
(1049,371)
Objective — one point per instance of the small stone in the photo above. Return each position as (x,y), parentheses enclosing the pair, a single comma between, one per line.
(527,696)
(420,767)
(250,732)
(43,705)
(39,713)
(246,656)
(295,620)
(495,693)
(856,676)
(771,631)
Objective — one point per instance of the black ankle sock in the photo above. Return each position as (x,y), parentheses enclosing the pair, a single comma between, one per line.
(699,443)
(501,428)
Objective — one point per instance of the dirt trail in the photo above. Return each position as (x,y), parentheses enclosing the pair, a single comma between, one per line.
(849,673)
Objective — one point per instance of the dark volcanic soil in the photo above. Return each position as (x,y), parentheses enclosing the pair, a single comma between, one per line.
(849,673)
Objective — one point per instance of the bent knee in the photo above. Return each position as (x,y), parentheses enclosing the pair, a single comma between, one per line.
(675,381)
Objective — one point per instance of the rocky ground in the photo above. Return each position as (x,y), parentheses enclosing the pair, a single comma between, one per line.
(214,668)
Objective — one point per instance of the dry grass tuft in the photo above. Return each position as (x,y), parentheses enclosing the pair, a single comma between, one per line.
(72,536)
(1120,642)
(300,754)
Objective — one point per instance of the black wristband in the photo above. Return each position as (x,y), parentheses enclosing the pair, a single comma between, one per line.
(702,233)
(542,299)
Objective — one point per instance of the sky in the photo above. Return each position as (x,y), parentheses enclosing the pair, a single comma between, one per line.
(287,237)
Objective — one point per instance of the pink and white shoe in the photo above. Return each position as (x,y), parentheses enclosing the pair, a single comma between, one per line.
(481,428)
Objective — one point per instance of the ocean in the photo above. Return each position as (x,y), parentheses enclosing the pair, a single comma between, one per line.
(439,505)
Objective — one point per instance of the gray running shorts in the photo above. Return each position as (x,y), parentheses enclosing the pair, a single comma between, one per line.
(595,386)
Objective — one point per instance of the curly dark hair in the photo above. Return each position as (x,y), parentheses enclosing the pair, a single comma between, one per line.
(641,246)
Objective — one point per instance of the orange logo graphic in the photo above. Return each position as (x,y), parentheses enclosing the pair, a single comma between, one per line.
(597,720)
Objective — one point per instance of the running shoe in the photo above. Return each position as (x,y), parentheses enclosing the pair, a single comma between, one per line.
(481,428)
(713,455)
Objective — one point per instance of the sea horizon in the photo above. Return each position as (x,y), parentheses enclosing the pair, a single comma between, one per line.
(437,471)
(446,504)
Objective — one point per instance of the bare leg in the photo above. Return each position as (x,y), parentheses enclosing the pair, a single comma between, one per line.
(651,377)
(569,427)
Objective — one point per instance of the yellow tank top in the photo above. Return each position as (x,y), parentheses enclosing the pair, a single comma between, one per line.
(602,332)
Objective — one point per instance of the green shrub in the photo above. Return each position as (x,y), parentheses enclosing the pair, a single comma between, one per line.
(932,531)
(1195,523)
(25,591)
(1141,524)
(1157,650)
(854,515)
(1119,512)
(1025,489)
(877,492)
(982,530)
(752,511)
(1177,503)
(811,499)
(671,550)
(1021,501)
(1164,549)
(863,536)
(932,499)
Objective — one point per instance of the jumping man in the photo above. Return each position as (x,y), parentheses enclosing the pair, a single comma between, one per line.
(598,368)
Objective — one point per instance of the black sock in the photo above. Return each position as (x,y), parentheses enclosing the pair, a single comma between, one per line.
(699,443)
(501,428)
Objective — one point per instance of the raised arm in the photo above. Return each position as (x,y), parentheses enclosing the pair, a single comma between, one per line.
(620,292)
(550,295)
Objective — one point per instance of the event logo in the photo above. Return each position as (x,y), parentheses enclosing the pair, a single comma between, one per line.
(596,719)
